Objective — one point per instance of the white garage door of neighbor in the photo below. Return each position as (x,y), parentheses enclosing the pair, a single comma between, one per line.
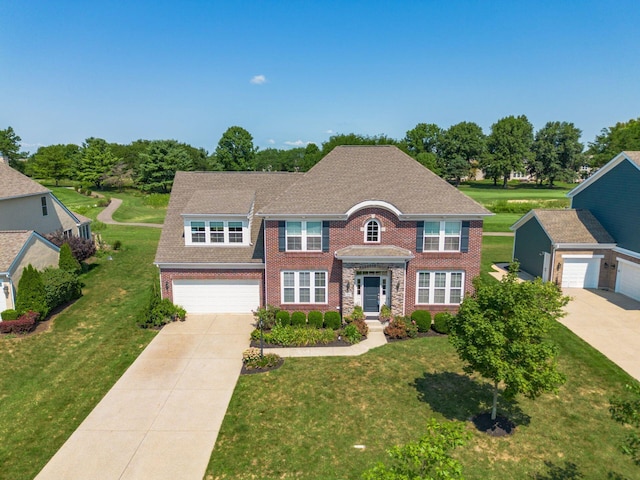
(3,300)
(217,296)
(580,272)
(628,279)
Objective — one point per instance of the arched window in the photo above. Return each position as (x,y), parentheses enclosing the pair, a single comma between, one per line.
(372,231)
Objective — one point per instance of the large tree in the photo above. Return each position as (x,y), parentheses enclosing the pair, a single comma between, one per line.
(509,146)
(95,162)
(502,333)
(159,164)
(461,145)
(235,150)
(423,144)
(557,151)
(10,147)
(613,140)
(626,410)
(54,161)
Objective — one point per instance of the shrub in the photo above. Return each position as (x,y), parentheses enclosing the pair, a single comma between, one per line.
(412,329)
(253,361)
(362,327)
(441,322)
(103,202)
(80,247)
(31,292)
(315,319)
(358,313)
(292,336)
(422,318)
(117,245)
(165,312)
(98,226)
(24,324)
(332,320)
(283,318)
(9,314)
(267,315)
(385,313)
(67,261)
(397,328)
(298,319)
(60,287)
(351,334)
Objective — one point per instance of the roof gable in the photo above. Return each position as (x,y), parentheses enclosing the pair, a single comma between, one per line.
(12,242)
(632,157)
(14,184)
(568,226)
(353,175)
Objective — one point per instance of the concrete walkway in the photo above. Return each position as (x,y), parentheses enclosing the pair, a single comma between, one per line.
(105,216)
(609,322)
(161,419)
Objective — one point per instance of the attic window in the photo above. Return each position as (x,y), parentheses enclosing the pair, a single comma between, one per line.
(43,201)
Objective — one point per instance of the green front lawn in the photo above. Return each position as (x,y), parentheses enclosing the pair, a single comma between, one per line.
(49,382)
(303,420)
(500,222)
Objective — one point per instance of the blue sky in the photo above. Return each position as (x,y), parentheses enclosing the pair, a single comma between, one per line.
(124,70)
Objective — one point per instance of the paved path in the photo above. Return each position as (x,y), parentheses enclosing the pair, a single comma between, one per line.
(161,419)
(609,322)
(105,216)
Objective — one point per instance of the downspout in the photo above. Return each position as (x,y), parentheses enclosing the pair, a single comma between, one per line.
(404,293)
(264,253)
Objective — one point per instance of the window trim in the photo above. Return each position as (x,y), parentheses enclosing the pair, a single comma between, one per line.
(313,288)
(378,231)
(208,232)
(304,236)
(432,286)
(442,235)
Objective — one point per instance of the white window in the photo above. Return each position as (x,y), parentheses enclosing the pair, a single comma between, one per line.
(439,287)
(372,231)
(218,232)
(304,287)
(442,236)
(304,236)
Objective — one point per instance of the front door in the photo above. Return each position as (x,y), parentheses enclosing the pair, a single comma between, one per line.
(371,298)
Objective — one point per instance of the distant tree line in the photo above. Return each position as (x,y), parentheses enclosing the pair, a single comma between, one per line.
(553,153)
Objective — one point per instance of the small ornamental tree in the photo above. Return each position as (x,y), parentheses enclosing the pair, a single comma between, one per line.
(627,412)
(67,261)
(501,332)
(31,292)
(428,458)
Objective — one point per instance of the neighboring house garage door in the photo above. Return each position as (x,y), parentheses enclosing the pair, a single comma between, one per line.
(628,279)
(217,296)
(580,272)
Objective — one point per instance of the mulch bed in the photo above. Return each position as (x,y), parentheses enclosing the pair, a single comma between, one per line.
(251,371)
(499,427)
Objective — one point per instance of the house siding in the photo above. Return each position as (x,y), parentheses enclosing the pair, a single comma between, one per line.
(614,199)
(531,239)
(25,213)
(393,231)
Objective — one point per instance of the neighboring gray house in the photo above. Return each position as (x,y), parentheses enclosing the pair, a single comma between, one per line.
(27,205)
(596,244)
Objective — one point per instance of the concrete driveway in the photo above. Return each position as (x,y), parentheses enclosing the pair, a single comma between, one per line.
(161,419)
(609,322)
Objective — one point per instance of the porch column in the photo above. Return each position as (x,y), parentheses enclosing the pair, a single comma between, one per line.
(348,280)
(397,287)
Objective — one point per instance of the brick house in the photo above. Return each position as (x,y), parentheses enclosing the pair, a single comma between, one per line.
(367,225)
(596,243)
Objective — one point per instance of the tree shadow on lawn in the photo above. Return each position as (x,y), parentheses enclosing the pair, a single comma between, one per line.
(459,397)
(568,471)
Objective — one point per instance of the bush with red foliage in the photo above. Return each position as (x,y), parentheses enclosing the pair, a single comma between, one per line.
(24,324)
(81,248)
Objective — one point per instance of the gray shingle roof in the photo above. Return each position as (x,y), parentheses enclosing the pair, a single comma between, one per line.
(15,184)
(263,185)
(633,155)
(572,226)
(230,202)
(349,175)
(11,241)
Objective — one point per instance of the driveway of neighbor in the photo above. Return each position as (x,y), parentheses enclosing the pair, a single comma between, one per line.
(161,419)
(609,322)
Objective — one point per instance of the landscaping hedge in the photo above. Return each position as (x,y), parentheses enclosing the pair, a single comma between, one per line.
(422,318)
(10,314)
(441,322)
(24,324)
(283,318)
(315,319)
(298,319)
(332,320)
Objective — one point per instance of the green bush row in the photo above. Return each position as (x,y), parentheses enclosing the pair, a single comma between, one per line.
(505,206)
(315,319)
(295,336)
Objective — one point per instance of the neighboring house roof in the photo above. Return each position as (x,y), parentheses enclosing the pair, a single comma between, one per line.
(351,175)
(569,226)
(11,244)
(14,184)
(631,156)
(200,191)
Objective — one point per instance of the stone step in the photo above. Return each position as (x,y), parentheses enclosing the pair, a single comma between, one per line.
(374,325)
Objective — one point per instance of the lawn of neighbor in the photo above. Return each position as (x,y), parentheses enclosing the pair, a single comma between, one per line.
(302,420)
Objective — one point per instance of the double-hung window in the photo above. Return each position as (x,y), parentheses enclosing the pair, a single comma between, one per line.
(302,235)
(235,232)
(198,234)
(216,232)
(440,287)
(442,236)
(304,287)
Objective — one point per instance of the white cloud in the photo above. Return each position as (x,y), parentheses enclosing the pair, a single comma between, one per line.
(259,80)
(329,131)
(297,143)
(271,141)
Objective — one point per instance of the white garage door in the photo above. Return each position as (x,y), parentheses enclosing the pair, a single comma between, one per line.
(628,279)
(581,272)
(217,296)
(3,300)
